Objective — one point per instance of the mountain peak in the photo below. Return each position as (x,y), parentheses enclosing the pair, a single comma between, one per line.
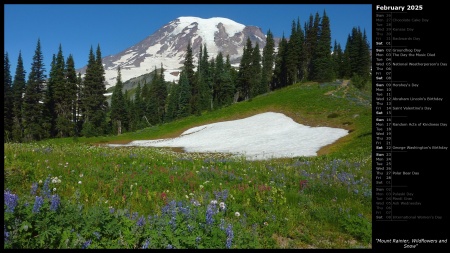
(168,45)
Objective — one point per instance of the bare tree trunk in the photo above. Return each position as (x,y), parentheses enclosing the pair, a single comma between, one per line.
(119,127)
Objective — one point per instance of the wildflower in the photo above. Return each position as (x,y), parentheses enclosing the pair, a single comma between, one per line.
(209,215)
(230,236)
(46,189)
(79,182)
(111,209)
(97,234)
(237,214)
(265,223)
(86,244)
(195,202)
(37,204)
(213,202)
(197,239)
(145,245)
(187,196)
(201,186)
(54,189)
(54,202)
(40,181)
(11,201)
(6,234)
(222,206)
(169,246)
(141,221)
(81,175)
(222,223)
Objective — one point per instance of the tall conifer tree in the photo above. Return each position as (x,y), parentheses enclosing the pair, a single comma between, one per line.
(34,98)
(19,84)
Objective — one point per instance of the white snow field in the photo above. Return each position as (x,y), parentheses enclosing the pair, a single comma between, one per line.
(259,137)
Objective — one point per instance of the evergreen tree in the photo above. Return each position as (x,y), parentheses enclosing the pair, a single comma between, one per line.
(161,96)
(70,99)
(7,100)
(279,78)
(19,84)
(190,75)
(49,115)
(152,101)
(227,94)
(217,80)
(33,98)
(118,112)
(255,82)
(79,105)
(267,62)
(137,110)
(204,79)
(301,61)
(184,96)
(94,101)
(357,56)
(245,72)
(311,38)
(322,67)
(337,57)
(172,102)
(293,55)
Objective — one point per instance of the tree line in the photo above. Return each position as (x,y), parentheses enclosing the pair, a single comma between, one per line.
(67,105)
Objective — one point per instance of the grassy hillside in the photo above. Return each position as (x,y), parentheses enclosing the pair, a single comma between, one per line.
(139,197)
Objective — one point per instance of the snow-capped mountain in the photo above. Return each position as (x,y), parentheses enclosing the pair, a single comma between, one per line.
(167,46)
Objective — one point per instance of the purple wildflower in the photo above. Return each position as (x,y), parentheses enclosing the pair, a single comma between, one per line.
(230,236)
(54,202)
(145,245)
(6,234)
(37,204)
(209,214)
(34,188)
(46,188)
(11,201)
(141,221)
(169,246)
(86,244)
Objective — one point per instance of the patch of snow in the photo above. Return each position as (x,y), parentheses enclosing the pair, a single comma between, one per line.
(260,137)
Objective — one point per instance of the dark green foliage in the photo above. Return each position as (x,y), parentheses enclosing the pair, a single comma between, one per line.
(357,55)
(205,80)
(245,75)
(18,89)
(94,102)
(294,51)
(184,96)
(7,100)
(322,66)
(188,68)
(172,102)
(279,78)
(255,81)
(338,61)
(118,111)
(34,98)
(267,62)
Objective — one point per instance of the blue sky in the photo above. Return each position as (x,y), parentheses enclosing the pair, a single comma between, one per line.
(116,27)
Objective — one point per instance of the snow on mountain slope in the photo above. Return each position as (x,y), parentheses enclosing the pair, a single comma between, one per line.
(167,46)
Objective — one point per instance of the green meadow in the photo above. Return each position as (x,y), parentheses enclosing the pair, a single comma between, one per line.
(80,193)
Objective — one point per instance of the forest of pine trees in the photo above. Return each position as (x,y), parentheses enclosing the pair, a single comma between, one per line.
(66,105)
